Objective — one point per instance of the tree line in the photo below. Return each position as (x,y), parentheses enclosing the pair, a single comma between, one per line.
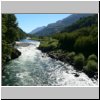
(77,44)
(10,33)
(82,36)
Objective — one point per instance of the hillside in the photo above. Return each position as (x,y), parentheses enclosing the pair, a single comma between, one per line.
(76,45)
(37,30)
(60,25)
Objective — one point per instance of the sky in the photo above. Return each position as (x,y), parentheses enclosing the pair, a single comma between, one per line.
(28,22)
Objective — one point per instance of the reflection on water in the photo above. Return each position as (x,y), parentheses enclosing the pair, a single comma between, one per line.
(33,68)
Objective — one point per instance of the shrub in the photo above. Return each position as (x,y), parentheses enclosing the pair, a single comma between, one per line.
(85,44)
(91,67)
(48,45)
(79,61)
(66,42)
(71,55)
(93,57)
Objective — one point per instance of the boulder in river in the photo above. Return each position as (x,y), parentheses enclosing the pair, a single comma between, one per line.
(15,53)
(76,74)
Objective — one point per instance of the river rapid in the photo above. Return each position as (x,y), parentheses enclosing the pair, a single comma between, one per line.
(34,68)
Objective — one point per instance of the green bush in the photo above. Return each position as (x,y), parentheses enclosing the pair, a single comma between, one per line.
(79,61)
(93,57)
(48,44)
(91,67)
(71,55)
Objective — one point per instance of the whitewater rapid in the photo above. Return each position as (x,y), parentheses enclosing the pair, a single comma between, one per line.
(34,68)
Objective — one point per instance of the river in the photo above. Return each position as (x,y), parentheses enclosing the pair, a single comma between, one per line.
(34,68)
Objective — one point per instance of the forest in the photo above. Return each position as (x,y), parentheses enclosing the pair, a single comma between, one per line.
(77,44)
(10,33)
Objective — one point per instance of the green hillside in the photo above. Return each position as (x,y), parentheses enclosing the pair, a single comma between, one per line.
(58,26)
(77,44)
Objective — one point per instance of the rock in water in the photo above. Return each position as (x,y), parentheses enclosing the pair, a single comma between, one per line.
(76,75)
(15,53)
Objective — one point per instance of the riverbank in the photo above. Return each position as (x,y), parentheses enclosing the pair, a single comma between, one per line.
(10,53)
(34,68)
(79,61)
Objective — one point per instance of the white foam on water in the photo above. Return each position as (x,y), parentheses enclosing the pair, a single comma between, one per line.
(33,68)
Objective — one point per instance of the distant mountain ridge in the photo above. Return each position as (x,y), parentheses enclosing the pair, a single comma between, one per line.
(37,30)
(60,25)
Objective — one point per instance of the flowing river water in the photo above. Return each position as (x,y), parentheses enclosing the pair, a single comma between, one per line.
(34,68)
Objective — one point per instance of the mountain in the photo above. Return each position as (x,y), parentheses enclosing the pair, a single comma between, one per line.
(60,24)
(37,30)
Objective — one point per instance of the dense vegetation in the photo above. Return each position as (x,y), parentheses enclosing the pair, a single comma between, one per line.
(10,33)
(77,44)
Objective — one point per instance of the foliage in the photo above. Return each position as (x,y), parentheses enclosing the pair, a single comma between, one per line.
(10,33)
(80,37)
(10,29)
(83,39)
(67,42)
(83,22)
(79,61)
(93,57)
(48,44)
(91,67)
(71,55)
(85,44)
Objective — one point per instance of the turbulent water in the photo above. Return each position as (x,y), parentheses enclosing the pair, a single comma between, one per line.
(33,68)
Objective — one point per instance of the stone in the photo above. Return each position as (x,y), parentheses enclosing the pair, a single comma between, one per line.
(76,75)
(15,54)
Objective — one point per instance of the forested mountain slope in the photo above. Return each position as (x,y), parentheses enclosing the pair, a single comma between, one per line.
(60,25)
(37,30)
(76,44)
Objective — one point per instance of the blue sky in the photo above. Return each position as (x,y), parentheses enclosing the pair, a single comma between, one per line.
(28,22)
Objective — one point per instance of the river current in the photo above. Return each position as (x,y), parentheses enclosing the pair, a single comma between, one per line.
(34,68)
